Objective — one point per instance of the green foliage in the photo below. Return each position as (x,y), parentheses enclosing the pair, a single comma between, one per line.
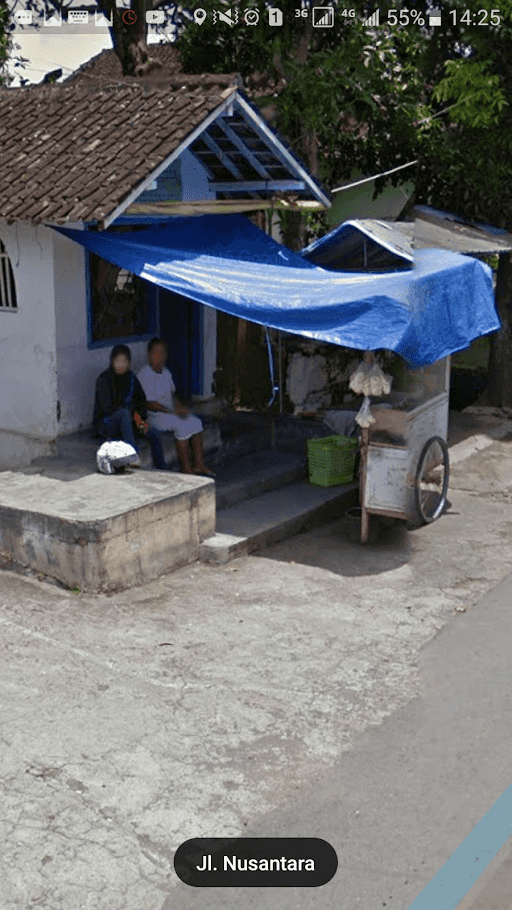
(347,98)
(5,39)
(479,96)
(467,156)
(350,99)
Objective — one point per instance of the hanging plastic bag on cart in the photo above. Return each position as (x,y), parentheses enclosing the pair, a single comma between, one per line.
(364,416)
(369,379)
(377,382)
(358,377)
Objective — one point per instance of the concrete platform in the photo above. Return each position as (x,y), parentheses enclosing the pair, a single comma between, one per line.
(76,453)
(259,495)
(105,533)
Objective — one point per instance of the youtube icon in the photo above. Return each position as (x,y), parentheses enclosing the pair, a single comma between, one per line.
(155,17)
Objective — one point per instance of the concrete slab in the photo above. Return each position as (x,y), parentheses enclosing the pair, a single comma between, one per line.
(273,516)
(105,533)
(482,466)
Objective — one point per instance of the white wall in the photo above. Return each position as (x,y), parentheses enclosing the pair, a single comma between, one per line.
(358,202)
(28,404)
(78,366)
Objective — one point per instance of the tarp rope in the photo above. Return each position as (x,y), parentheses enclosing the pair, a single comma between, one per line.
(275,388)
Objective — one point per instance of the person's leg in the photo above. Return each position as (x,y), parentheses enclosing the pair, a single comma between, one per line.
(123,426)
(157,451)
(183,450)
(182,433)
(191,428)
(104,428)
(197,448)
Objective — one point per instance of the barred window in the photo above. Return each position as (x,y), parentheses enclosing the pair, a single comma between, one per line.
(8,302)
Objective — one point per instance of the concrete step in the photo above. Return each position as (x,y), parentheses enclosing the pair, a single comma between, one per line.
(250,475)
(273,516)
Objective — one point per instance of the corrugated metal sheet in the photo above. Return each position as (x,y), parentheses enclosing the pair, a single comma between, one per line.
(362,245)
(436,229)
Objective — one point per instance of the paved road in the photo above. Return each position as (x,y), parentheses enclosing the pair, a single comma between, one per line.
(320,689)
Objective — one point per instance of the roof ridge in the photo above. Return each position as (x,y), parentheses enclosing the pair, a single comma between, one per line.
(170,82)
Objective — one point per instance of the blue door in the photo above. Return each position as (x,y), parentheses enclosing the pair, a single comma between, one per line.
(181,327)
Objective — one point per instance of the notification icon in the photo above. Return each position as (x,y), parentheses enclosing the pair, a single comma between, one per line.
(275,16)
(155,17)
(23,17)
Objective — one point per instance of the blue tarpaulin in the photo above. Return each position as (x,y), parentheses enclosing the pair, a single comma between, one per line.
(224,261)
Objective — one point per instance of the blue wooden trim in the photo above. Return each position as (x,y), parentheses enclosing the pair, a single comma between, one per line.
(142,219)
(280,147)
(252,186)
(88,299)
(196,367)
(240,144)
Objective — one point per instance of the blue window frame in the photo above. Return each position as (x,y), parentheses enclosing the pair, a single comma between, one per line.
(121,307)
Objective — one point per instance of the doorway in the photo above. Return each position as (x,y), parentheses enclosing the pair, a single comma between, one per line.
(181,326)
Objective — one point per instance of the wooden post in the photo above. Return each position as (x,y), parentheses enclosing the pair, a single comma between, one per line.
(365,518)
(241,354)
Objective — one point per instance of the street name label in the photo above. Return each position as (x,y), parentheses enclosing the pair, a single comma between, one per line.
(256,862)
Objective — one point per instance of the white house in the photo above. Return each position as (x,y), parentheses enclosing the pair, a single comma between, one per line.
(112,156)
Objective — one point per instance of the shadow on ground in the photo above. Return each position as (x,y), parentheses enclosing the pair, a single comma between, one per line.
(337,547)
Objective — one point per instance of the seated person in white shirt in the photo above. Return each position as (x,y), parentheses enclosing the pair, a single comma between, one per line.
(166,413)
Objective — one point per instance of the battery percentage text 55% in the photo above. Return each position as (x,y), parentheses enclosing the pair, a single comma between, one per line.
(405,16)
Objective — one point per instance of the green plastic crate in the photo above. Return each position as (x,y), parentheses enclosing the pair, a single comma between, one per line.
(331,460)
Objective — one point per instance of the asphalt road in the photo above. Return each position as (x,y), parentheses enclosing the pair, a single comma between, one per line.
(321,689)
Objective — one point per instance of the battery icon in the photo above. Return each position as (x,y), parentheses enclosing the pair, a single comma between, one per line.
(434,17)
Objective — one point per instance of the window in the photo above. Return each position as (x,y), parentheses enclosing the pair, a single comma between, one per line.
(8,302)
(122,305)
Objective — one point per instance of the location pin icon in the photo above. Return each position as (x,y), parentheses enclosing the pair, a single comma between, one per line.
(199,16)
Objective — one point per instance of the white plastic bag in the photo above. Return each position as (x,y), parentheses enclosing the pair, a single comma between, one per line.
(364,416)
(369,379)
(112,456)
(358,377)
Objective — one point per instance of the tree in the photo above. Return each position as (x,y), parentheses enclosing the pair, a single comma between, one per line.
(353,98)
(345,97)
(5,40)
(467,159)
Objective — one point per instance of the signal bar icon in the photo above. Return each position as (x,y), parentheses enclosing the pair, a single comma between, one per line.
(372,20)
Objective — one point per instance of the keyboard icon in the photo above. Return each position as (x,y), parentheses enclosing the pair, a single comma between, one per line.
(78,17)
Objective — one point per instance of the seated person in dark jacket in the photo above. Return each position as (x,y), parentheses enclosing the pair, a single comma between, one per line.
(120,405)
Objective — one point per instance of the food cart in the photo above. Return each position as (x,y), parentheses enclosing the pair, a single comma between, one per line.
(404,456)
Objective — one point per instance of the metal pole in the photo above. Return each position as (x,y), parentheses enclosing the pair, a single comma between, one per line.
(369,357)
(280,374)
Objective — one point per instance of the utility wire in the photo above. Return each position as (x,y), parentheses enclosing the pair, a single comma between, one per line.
(349,186)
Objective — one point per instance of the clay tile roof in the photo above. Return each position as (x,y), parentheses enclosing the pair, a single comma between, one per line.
(73,152)
(106,66)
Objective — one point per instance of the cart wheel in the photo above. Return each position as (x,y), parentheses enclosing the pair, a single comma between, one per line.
(432,477)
